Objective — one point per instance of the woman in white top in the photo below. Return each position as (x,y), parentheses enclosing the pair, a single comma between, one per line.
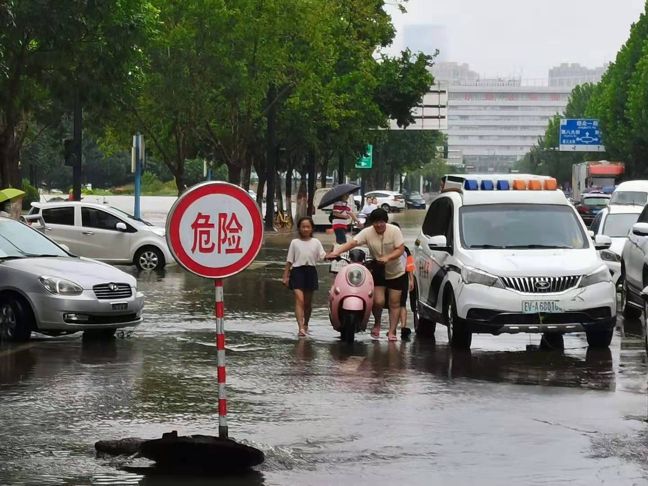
(300,273)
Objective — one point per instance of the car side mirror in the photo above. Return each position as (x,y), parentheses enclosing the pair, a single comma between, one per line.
(644,294)
(640,229)
(602,242)
(65,247)
(438,242)
(590,233)
(121,226)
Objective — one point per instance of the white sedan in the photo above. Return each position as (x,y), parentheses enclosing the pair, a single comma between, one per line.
(616,222)
(104,233)
(388,200)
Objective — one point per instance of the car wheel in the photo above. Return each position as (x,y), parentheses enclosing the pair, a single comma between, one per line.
(600,339)
(385,207)
(16,319)
(149,258)
(629,312)
(103,334)
(458,335)
(423,327)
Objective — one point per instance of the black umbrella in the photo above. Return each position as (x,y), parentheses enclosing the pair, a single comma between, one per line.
(336,193)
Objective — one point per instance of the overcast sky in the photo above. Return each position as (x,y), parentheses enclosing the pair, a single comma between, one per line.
(523,37)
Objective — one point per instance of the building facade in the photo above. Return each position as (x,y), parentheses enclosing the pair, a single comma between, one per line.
(492,124)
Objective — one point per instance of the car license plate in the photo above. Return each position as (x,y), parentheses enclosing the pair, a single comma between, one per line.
(120,306)
(540,307)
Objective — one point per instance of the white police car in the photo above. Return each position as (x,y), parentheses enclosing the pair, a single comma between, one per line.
(509,254)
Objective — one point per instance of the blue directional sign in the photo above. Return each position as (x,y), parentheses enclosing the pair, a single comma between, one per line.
(580,135)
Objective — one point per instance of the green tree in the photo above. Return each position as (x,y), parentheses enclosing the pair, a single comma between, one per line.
(617,101)
(94,49)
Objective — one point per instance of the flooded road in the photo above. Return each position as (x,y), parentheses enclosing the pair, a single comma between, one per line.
(378,413)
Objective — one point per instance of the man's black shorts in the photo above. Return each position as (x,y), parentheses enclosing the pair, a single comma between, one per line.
(398,283)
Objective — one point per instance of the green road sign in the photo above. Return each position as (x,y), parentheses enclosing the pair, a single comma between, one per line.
(366,161)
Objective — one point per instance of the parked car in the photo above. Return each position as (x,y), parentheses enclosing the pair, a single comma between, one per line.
(104,233)
(414,200)
(615,222)
(388,200)
(492,258)
(590,205)
(44,288)
(634,267)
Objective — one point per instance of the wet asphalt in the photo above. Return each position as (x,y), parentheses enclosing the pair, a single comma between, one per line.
(412,412)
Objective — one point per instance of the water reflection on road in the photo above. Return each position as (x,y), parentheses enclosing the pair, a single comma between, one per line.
(376,413)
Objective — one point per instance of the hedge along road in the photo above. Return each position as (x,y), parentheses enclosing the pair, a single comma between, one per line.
(413,412)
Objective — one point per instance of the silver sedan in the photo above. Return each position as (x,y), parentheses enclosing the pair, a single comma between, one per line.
(43,288)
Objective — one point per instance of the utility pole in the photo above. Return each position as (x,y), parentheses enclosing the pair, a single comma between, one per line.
(77,147)
(137,158)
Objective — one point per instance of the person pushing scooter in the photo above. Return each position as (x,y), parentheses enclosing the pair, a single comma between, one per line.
(386,245)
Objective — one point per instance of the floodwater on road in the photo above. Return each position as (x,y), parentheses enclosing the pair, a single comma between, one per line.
(324,413)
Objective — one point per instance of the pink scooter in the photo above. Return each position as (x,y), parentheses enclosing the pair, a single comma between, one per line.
(351,297)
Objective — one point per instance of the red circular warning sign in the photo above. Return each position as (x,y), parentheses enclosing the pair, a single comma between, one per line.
(215,230)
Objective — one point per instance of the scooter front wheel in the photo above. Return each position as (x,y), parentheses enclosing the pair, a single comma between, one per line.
(348,328)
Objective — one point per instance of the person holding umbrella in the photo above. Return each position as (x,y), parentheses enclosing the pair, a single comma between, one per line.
(342,215)
(11,202)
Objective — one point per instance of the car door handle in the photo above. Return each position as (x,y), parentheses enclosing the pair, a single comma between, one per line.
(88,233)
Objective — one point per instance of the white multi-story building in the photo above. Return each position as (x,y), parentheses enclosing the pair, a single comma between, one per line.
(493,124)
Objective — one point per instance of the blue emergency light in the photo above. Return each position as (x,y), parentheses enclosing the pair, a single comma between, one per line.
(503,186)
(471,185)
(487,185)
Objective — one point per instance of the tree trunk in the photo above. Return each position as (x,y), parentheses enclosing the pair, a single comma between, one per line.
(340,178)
(259,167)
(260,189)
(324,172)
(391,178)
(280,202)
(9,157)
(312,175)
(234,173)
(271,156)
(246,174)
(178,174)
(289,182)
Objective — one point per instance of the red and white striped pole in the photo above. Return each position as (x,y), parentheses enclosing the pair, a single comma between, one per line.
(220,355)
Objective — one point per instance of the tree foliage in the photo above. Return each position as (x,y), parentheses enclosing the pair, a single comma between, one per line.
(619,101)
(237,82)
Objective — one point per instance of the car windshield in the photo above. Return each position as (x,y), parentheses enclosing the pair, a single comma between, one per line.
(618,225)
(596,201)
(524,226)
(19,241)
(629,198)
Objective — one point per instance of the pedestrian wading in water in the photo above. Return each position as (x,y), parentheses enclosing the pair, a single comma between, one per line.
(386,245)
(300,273)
